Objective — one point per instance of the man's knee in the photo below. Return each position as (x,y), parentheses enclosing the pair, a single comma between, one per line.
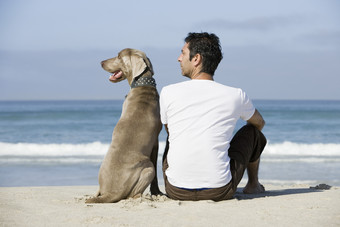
(259,145)
(247,144)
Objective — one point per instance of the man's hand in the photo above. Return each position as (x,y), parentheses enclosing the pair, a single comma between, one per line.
(257,120)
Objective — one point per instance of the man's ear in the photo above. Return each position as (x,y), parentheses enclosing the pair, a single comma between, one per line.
(138,65)
(197,60)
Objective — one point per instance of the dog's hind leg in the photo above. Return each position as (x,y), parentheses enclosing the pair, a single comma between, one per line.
(145,178)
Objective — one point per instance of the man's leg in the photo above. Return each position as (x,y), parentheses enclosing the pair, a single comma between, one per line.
(245,150)
(253,186)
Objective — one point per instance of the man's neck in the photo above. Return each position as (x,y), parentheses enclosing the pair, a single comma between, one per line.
(202,76)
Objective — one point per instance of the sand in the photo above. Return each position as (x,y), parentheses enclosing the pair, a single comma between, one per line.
(292,205)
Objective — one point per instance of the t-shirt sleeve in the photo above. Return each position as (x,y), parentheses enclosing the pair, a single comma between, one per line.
(163,107)
(247,109)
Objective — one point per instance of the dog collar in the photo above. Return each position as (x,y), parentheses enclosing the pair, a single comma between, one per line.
(143,81)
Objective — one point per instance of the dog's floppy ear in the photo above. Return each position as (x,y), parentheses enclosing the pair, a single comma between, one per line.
(148,63)
(138,65)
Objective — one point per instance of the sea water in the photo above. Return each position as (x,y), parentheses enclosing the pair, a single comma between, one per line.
(64,142)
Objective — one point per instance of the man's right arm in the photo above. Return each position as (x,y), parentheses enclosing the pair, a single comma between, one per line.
(257,120)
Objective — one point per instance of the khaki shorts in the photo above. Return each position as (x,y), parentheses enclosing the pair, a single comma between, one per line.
(246,146)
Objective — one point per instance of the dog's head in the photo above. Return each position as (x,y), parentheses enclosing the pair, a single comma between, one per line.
(129,64)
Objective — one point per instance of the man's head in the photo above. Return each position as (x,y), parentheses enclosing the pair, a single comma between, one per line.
(208,47)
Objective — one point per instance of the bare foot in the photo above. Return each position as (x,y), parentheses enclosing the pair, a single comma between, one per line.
(253,188)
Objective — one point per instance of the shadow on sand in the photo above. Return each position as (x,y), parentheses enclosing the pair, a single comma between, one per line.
(239,195)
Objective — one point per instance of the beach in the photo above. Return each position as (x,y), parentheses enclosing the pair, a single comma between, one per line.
(285,205)
(51,151)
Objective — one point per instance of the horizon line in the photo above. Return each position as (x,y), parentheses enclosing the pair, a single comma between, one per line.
(122,99)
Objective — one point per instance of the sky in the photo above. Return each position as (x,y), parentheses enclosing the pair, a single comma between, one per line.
(51,50)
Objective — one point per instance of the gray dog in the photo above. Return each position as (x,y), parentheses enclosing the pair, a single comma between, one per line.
(130,163)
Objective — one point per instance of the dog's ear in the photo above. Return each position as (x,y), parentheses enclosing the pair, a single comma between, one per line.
(138,65)
(148,63)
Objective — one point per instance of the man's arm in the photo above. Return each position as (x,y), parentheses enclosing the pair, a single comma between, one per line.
(257,120)
(165,154)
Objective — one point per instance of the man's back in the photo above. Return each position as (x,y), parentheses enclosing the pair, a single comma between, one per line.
(201,116)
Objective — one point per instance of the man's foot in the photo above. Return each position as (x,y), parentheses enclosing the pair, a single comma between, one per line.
(253,188)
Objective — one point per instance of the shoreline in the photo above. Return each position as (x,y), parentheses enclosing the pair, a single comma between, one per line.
(280,205)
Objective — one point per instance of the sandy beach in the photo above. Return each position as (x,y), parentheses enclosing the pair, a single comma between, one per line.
(293,205)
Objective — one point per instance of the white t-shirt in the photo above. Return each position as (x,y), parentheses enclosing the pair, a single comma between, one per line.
(201,116)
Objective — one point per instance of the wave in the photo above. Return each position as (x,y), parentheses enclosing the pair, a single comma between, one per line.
(302,149)
(100,149)
(34,149)
(52,160)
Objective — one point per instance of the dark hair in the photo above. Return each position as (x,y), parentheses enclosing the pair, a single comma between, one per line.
(208,46)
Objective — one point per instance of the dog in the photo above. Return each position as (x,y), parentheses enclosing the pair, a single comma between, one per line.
(130,164)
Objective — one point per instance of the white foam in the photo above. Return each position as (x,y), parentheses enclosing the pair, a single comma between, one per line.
(98,148)
(33,149)
(49,160)
(301,149)
(282,159)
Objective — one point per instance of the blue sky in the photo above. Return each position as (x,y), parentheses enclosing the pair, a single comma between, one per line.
(272,49)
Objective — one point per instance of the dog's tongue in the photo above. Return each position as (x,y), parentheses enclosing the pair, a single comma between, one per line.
(116,75)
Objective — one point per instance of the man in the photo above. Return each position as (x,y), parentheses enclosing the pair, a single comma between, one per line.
(202,160)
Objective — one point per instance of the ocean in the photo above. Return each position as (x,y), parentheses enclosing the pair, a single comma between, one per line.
(59,143)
